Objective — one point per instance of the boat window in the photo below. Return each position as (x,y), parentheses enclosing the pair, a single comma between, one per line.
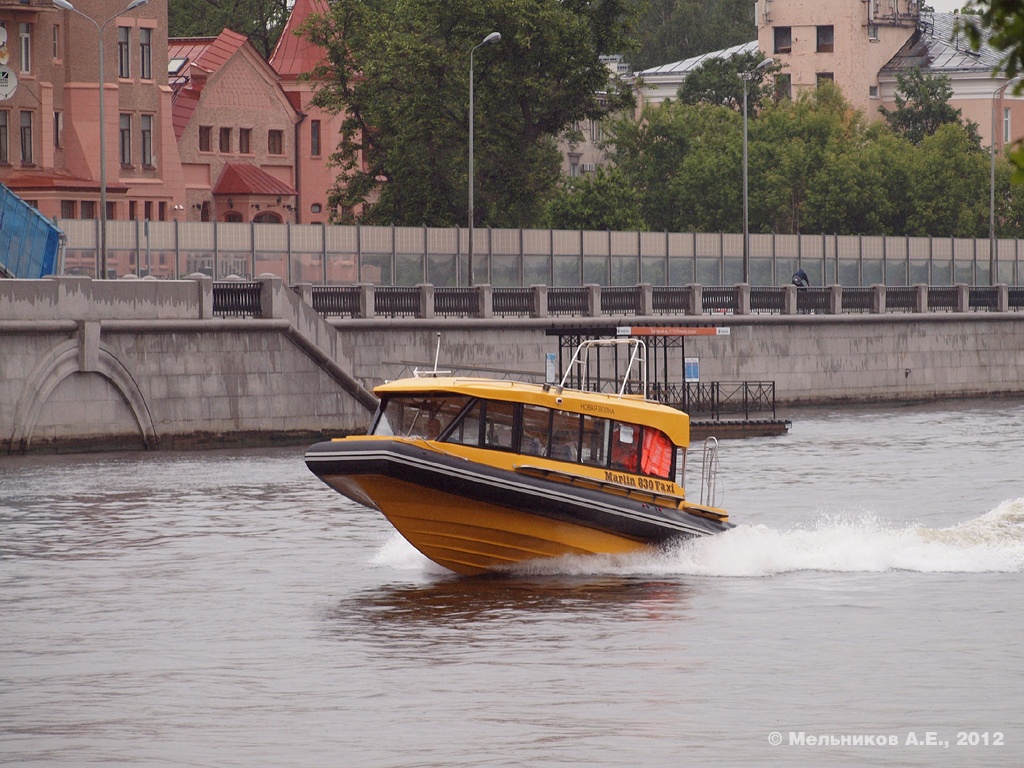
(595,441)
(565,436)
(536,430)
(425,416)
(657,454)
(466,431)
(625,451)
(499,423)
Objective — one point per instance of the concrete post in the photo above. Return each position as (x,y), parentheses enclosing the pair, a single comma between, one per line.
(88,346)
(271,300)
(920,298)
(835,299)
(743,299)
(789,302)
(878,300)
(484,301)
(1002,297)
(963,297)
(426,300)
(367,309)
(540,301)
(204,285)
(646,299)
(593,300)
(696,299)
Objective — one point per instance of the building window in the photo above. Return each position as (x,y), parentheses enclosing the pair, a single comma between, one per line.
(162,208)
(314,138)
(147,140)
(125,144)
(596,131)
(873,33)
(146,53)
(88,209)
(147,208)
(244,140)
(111,210)
(26,138)
(826,38)
(56,41)
(783,39)
(873,91)
(58,129)
(133,210)
(67,209)
(783,87)
(825,77)
(124,68)
(1006,125)
(4,133)
(275,142)
(25,37)
(225,139)
(205,132)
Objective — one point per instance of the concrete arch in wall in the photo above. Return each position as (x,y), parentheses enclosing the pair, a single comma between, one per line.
(58,363)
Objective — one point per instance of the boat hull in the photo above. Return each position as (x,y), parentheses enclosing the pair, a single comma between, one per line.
(472,518)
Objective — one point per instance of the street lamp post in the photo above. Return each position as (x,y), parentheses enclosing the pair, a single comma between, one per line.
(747,77)
(491,38)
(100,28)
(997,95)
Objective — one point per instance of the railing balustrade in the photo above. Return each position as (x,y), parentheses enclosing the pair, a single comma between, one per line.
(238,298)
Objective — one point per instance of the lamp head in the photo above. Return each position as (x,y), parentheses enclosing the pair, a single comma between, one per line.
(491,38)
(762,65)
(132,5)
(63,5)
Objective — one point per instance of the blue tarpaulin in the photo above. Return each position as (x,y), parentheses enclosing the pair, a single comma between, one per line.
(29,242)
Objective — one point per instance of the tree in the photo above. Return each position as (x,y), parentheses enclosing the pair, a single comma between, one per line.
(922,106)
(671,30)
(399,73)
(600,202)
(259,20)
(718,81)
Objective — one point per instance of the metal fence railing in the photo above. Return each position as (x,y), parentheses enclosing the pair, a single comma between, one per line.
(239,298)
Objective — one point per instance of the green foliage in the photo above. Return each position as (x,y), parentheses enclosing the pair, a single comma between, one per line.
(600,202)
(671,30)
(400,74)
(719,81)
(259,20)
(815,165)
(922,107)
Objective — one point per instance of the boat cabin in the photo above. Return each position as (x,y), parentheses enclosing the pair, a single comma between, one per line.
(586,429)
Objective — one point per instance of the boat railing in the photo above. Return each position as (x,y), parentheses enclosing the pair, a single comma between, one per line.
(587,358)
(709,473)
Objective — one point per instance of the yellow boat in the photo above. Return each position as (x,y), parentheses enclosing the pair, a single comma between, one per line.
(479,474)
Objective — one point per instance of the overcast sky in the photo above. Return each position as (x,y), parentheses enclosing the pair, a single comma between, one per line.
(946,6)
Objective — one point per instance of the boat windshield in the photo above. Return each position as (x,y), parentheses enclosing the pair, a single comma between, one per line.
(426,415)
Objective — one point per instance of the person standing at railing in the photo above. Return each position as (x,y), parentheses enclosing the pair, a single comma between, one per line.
(800,279)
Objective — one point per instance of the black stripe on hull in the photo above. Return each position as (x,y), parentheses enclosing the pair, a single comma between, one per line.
(611,513)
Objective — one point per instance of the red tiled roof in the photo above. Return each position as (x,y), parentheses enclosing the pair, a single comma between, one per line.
(294,55)
(247,179)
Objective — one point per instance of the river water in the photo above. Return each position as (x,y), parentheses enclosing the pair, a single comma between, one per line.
(226,609)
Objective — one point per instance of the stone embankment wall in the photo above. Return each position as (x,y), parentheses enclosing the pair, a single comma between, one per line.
(145,364)
(142,363)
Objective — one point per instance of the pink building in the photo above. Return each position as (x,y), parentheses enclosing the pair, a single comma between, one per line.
(50,110)
(236,131)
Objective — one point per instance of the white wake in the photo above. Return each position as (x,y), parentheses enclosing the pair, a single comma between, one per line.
(992,543)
